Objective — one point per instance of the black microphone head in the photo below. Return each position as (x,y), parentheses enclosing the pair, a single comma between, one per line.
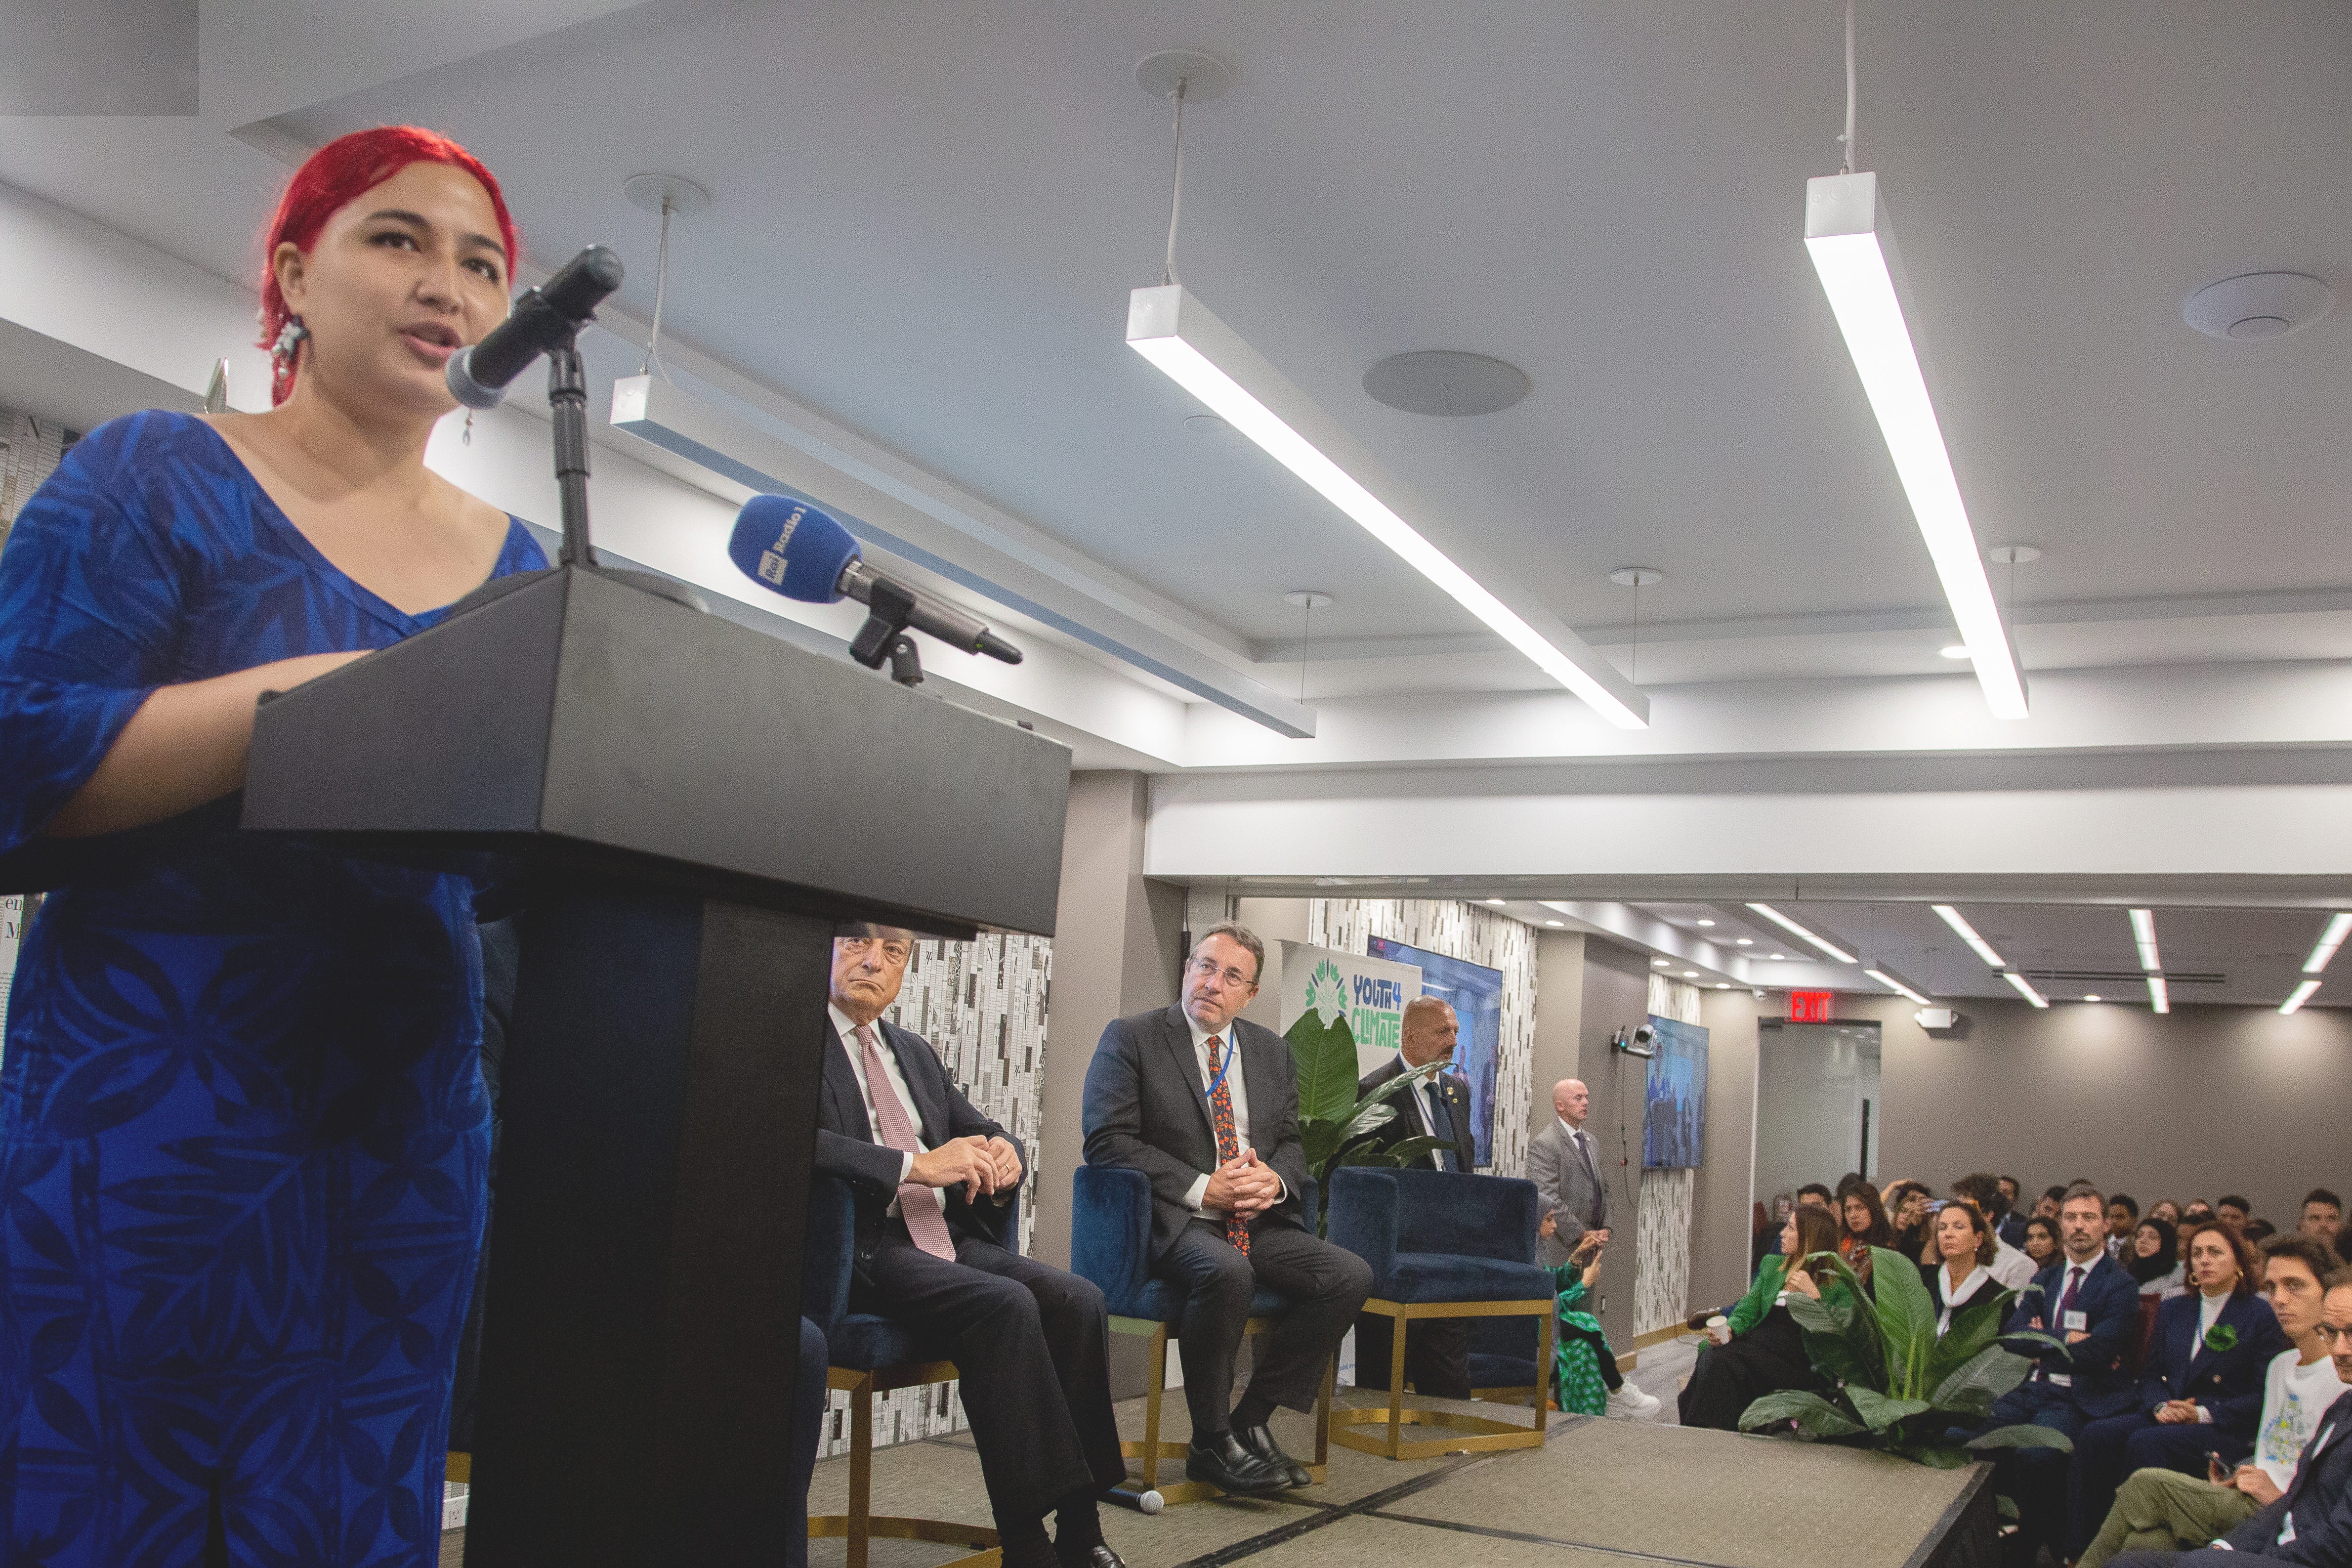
(793,547)
(576,291)
(459,373)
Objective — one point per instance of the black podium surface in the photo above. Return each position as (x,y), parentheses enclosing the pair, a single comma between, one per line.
(689,808)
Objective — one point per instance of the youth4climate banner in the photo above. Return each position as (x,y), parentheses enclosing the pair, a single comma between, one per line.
(1369,993)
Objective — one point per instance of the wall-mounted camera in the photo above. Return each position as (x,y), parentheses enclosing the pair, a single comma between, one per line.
(1640,1045)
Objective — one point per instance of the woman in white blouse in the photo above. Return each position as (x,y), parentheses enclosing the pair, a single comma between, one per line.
(1964,1242)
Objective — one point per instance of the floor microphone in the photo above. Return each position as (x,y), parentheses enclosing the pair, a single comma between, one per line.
(803,553)
(544,318)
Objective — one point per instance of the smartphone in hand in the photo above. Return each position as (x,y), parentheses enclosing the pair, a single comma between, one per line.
(2215,1470)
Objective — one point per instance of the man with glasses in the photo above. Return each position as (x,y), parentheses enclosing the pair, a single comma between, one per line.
(2310,1524)
(1206,1105)
(1031,1342)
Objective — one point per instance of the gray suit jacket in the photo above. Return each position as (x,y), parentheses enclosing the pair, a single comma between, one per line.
(1147,1108)
(1566,1190)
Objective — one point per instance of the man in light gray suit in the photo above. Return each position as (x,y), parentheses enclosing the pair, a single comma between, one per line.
(1572,1202)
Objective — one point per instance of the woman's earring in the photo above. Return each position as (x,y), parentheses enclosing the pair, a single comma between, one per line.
(467,438)
(289,338)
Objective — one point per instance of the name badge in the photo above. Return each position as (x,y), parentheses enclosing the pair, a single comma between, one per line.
(2078,1321)
(2060,1379)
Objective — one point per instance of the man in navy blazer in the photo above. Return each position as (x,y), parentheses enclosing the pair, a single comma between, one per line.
(1205,1104)
(2195,1397)
(1030,1341)
(2088,1300)
(2310,1525)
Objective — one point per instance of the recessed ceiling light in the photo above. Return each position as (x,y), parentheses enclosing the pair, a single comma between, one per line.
(1494,900)
(1554,922)
(2091,997)
(1690,974)
(1957,650)
(1707,922)
(1743,942)
(1723,985)
(1781,956)
(1661,963)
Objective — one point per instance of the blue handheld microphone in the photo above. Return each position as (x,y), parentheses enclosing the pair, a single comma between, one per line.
(803,553)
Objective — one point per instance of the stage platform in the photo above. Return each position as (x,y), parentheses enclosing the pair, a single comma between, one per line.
(1600,1494)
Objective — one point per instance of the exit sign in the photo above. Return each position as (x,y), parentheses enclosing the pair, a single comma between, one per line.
(1810,1006)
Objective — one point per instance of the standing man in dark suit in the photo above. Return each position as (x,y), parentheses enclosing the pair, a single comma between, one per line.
(1031,1342)
(2086,1299)
(1436,1350)
(1206,1105)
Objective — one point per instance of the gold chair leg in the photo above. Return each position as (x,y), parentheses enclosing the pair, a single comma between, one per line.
(1159,1389)
(1323,1417)
(1542,1400)
(1396,1384)
(861,1473)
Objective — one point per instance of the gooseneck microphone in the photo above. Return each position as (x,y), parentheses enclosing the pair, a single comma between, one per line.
(803,553)
(544,318)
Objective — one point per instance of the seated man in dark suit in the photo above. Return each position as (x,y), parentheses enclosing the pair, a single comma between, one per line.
(1206,1105)
(1436,1350)
(2309,1525)
(1030,1340)
(2086,1299)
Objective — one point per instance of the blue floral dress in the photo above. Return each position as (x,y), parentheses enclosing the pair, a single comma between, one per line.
(242,1124)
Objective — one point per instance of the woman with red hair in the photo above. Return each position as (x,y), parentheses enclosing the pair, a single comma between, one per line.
(242,1126)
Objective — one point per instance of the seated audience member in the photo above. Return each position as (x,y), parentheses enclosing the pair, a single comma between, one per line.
(2165,1210)
(1763,1350)
(1205,1104)
(1964,1247)
(2258,1230)
(2010,1222)
(1907,1216)
(1865,1228)
(2154,1259)
(2201,1391)
(2233,1211)
(2162,1511)
(1814,1194)
(1436,1350)
(2123,1215)
(2046,1205)
(2041,1243)
(2323,1217)
(1032,1341)
(2310,1525)
(2196,1209)
(2090,1304)
(1767,1239)
(2010,1266)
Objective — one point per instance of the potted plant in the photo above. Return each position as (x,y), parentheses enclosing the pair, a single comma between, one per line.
(1336,1126)
(1896,1386)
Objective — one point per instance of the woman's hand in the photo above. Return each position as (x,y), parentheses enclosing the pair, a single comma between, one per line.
(1719,1333)
(1802,1284)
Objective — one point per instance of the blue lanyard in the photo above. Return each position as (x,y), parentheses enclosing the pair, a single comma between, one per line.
(1222,1068)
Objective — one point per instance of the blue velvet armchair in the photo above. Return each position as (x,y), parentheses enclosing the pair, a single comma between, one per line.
(1110,1244)
(1443,1245)
(870,1355)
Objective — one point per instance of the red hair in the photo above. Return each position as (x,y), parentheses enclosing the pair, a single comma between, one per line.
(339,172)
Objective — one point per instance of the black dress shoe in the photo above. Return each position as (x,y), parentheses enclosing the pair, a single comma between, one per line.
(1225,1463)
(1098,1555)
(1259,1440)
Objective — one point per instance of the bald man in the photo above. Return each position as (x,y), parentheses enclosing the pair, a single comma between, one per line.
(1572,1203)
(1436,1350)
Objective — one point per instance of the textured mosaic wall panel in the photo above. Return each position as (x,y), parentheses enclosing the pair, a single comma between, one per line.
(12,925)
(1662,1245)
(982,1007)
(1476,935)
(32,450)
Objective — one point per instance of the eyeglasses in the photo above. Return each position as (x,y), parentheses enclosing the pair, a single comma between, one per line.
(894,950)
(1207,968)
(2335,1334)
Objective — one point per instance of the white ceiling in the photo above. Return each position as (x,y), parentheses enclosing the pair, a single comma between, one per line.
(927,219)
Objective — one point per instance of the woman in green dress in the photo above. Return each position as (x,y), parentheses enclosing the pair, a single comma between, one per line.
(1576,1379)
(1761,1350)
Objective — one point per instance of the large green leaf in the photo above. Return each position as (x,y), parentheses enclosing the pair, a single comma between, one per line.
(1974,1326)
(2023,1438)
(1325,1058)
(1856,1322)
(1835,1357)
(1935,1455)
(1906,1323)
(1814,1416)
(1318,1139)
(1371,1118)
(1879,1411)
(1974,1388)
(1406,1150)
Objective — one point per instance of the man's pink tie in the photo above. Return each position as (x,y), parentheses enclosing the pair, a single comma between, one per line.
(916,1204)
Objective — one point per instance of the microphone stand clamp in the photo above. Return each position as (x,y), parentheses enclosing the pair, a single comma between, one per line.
(884,635)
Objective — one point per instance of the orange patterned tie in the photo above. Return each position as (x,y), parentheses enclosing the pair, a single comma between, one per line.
(1229,1145)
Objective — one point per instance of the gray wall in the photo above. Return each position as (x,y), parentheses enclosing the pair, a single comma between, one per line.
(1614,993)
(2197,1102)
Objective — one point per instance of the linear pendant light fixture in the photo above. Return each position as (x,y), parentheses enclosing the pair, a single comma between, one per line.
(1175,332)
(2294,1003)
(2329,940)
(1853,248)
(2025,987)
(1968,933)
(1785,924)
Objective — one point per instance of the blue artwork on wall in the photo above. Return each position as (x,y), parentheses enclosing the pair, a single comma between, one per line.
(1674,1132)
(1476,993)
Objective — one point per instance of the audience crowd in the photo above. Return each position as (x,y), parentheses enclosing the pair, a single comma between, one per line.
(2198,1362)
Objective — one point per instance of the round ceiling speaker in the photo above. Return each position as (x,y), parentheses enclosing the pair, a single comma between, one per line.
(2258,305)
(1446,382)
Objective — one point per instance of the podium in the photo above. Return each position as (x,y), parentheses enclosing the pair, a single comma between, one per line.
(686,808)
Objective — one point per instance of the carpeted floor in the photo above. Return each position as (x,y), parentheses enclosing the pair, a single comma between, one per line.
(1598,1493)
